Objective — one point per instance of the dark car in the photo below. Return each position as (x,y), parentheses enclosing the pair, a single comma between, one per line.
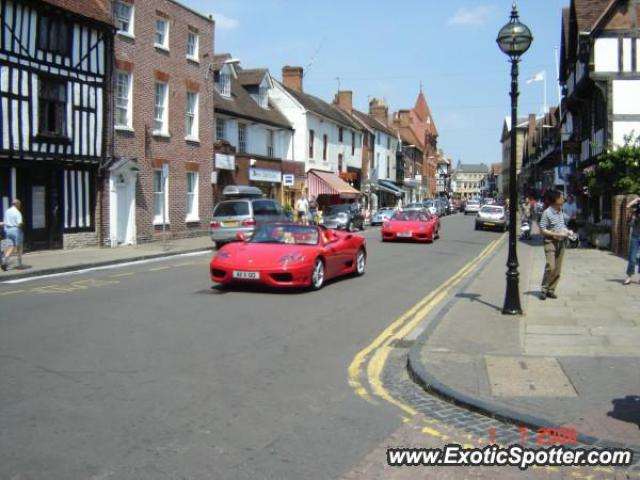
(345,216)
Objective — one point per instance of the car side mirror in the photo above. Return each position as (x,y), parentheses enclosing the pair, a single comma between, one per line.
(240,237)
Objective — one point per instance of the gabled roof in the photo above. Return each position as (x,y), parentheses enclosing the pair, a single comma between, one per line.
(587,12)
(473,168)
(251,76)
(94,9)
(423,112)
(373,123)
(241,104)
(320,107)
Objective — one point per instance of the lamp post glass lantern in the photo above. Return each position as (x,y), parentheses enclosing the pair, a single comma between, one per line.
(514,39)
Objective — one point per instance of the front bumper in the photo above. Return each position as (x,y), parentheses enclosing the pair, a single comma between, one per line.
(425,236)
(491,223)
(283,277)
(335,225)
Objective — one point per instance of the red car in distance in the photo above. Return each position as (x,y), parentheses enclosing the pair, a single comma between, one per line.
(289,255)
(417,225)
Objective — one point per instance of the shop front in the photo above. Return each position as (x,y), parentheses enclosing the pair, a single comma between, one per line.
(267,180)
(330,189)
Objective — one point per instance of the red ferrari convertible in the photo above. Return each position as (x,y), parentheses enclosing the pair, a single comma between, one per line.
(418,225)
(290,255)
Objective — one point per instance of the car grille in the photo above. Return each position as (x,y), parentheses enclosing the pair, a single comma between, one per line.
(282,277)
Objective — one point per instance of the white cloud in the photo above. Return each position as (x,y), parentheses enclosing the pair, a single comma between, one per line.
(472,16)
(225,23)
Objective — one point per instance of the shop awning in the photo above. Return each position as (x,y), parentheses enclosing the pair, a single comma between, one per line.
(328,183)
(389,186)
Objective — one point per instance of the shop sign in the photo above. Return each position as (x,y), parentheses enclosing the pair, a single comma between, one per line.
(214,178)
(288,180)
(265,175)
(225,162)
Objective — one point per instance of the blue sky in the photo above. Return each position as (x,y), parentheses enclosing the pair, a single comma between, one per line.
(385,49)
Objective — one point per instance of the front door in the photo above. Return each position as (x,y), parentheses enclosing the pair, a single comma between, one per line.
(38,187)
(123,207)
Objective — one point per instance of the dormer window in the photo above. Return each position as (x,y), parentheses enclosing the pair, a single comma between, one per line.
(224,83)
(263,96)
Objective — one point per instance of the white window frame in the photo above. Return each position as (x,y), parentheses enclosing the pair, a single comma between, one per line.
(195,56)
(224,83)
(221,126)
(242,137)
(194,215)
(165,35)
(194,134)
(157,218)
(130,31)
(129,123)
(164,131)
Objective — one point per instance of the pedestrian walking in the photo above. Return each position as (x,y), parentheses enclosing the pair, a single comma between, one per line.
(302,210)
(313,210)
(570,211)
(13,225)
(634,239)
(554,232)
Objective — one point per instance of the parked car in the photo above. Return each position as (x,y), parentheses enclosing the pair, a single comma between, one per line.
(343,217)
(472,206)
(443,205)
(381,215)
(289,255)
(430,205)
(492,216)
(454,206)
(417,225)
(242,215)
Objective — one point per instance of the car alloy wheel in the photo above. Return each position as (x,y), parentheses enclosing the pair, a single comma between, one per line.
(361,262)
(317,277)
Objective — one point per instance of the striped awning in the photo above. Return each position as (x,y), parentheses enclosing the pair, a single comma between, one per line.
(328,183)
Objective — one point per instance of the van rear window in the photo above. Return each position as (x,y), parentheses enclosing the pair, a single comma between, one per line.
(231,209)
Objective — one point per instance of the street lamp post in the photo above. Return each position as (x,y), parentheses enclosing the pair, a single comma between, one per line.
(514,39)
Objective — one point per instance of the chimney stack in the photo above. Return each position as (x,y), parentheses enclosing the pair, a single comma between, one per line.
(344,100)
(292,77)
(404,117)
(379,110)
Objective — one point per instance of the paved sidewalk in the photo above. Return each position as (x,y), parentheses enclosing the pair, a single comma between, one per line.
(57,261)
(573,361)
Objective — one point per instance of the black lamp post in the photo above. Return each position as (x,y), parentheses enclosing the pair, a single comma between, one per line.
(514,39)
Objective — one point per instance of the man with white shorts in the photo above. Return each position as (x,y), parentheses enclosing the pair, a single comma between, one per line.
(13,225)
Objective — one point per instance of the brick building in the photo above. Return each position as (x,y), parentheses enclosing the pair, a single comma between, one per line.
(162,159)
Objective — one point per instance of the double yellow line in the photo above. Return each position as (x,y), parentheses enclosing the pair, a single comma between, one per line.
(365,371)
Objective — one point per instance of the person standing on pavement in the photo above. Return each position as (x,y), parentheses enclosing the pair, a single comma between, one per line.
(313,210)
(634,239)
(302,210)
(13,225)
(570,211)
(554,232)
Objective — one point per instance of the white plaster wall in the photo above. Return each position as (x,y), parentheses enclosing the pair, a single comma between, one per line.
(387,155)
(621,129)
(296,149)
(605,56)
(626,55)
(626,97)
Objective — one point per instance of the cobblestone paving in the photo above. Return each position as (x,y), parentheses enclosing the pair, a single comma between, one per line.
(440,422)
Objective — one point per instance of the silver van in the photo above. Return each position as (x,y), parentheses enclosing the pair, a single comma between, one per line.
(242,215)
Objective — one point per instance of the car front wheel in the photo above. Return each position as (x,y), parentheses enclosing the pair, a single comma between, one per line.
(317,276)
(361,262)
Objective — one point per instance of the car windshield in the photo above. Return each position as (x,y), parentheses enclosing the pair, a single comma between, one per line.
(428,203)
(414,205)
(491,210)
(411,216)
(287,234)
(232,209)
(473,202)
(334,209)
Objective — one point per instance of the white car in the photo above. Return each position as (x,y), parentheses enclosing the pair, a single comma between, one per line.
(472,206)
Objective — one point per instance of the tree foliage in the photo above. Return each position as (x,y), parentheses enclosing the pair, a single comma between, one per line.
(618,171)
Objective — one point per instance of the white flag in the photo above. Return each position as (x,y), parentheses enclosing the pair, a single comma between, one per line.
(538,77)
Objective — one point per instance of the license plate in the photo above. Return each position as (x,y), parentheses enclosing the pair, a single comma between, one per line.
(246,275)
(405,234)
(489,223)
(230,224)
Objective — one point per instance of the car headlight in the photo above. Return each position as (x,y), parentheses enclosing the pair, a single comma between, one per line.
(291,258)
(386,225)
(223,255)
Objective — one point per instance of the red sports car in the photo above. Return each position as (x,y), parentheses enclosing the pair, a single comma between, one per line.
(418,225)
(290,255)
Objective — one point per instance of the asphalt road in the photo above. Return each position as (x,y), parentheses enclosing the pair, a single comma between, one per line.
(146,372)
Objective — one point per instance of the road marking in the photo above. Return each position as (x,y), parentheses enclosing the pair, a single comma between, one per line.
(73,286)
(118,275)
(12,292)
(375,354)
(403,325)
(157,269)
(107,267)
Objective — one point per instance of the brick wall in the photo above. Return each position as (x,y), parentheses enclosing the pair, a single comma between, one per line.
(148,63)
(78,240)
